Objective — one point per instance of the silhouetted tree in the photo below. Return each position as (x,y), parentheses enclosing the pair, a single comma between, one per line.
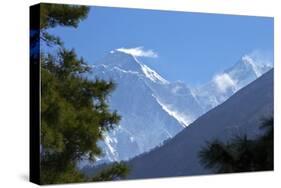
(241,154)
(74,111)
(52,15)
(115,171)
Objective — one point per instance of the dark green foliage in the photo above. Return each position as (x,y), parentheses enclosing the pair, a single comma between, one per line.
(74,111)
(52,15)
(50,39)
(241,154)
(74,115)
(217,155)
(114,172)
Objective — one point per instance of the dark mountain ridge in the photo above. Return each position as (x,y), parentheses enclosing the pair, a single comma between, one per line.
(240,114)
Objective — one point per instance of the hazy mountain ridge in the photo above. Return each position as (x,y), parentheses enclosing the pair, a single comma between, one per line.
(225,84)
(154,109)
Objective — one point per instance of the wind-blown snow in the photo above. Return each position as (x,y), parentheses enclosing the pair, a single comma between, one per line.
(249,60)
(138,52)
(224,82)
(181,118)
(125,71)
(108,141)
(152,75)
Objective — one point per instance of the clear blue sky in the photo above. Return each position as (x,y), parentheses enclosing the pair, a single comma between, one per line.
(191,47)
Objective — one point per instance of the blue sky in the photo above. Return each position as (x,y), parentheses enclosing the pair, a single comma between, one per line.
(190,47)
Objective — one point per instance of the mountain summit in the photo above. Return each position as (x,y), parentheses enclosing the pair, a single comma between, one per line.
(225,84)
(128,62)
(154,109)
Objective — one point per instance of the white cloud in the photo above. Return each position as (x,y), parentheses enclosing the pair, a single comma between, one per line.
(224,82)
(138,52)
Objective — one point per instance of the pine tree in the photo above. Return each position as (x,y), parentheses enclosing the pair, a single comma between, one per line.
(74,111)
(240,154)
(115,171)
(53,15)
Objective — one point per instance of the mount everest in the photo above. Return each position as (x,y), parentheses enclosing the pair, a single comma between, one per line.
(154,109)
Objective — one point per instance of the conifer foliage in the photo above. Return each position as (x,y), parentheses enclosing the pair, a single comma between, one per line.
(241,154)
(74,110)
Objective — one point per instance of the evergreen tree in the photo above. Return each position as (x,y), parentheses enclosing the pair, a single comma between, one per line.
(114,172)
(241,154)
(52,15)
(74,111)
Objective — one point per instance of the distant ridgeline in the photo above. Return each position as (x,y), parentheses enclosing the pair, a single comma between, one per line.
(154,109)
(241,116)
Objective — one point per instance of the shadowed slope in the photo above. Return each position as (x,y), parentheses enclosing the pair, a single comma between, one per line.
(240,114)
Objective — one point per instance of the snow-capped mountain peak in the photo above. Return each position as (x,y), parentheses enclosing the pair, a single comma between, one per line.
(225,84)
(124,61)
(121,60)
(154,109)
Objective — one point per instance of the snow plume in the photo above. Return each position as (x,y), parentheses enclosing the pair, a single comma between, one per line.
(138,52)
(259,61)
(247,59)
(262,57)
(224,82)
